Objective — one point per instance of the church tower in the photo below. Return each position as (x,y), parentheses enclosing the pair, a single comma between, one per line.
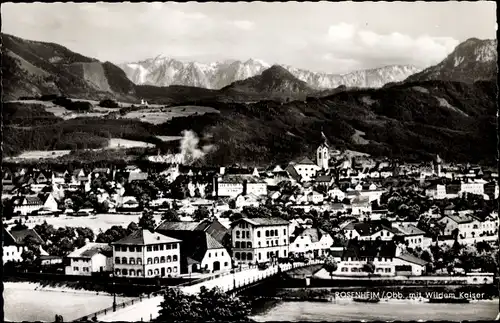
(437,166)
(323,154)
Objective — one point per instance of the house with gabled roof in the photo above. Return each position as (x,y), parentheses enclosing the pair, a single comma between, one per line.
(91,258)
(304,167)
(202,246)
(146,254)
(370,230)
(13,244)
(25,205)
(313,241)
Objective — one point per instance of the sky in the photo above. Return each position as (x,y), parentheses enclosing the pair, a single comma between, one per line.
(330,37)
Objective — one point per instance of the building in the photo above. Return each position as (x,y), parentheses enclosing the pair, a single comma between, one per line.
(361,205)
(315,197)
(247,200)
(311,240)
(202,246)
(146,254)
(13,244)
(413,236)
(323,156)
(91,258)
(234,185)
(370,230)
(25,205)
(386,257)
(259,239)
(473,187)
(305,168)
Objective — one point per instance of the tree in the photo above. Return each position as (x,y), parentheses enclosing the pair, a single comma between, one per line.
(201,214)
(170,216)
(132,227)
(369,268)
(330,265)
(147,221)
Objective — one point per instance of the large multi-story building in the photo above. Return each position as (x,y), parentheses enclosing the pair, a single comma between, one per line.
(232,186)
(259,239)
(311,240)
(146,254)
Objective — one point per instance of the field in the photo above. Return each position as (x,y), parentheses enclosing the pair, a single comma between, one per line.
(124,143)
(39,154)
(95,223)
(23,303)
(162,115)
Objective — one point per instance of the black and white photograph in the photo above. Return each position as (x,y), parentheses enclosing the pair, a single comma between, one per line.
(250,161)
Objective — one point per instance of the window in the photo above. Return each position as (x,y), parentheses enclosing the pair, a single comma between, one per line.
(124,260)
(161,247)
(150,272)
(139,261)
(162,259)
(258,234)
(155,247)
(117,260)
(237,255)
(150,261)
(117,248)
(249,256)
(379,258)
(124,272)
(248,234)
(387,270)
(117,272)
(75,268)
(149,248)
(225,264)
(174,246)
(276,232)
(249,245)
(132,272)
(267,233)
(169,270)
(276,242)
(157,272)
(284,253)
(157,260)
(169,258)
(138,249)
(243,256)
(169,246)
(237,234)
(175,269)
(237,244)
(131,261)
(260,256)
(139,273)
(344,269)
(284,231)
(131,249)
(174,258)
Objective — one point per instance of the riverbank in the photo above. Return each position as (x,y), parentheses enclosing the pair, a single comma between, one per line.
(25,301)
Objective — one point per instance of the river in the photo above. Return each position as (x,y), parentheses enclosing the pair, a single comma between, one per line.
(346,310)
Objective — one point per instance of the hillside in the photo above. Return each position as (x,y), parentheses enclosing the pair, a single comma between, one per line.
(274,83)
(410,121)
(472,60)
(32,68)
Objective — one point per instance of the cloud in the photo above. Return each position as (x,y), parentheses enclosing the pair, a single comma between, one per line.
(243,24)
(346,41)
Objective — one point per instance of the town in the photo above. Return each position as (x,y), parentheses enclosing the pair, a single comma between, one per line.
(368,216)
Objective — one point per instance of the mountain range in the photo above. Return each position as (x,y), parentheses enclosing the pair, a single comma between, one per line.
(272,116)
(164,71)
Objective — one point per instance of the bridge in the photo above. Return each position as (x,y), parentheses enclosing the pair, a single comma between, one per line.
(147,308)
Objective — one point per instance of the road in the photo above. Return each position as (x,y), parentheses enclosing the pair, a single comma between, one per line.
(148,308)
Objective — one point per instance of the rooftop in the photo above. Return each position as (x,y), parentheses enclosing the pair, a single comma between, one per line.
(145,237)
(91,249)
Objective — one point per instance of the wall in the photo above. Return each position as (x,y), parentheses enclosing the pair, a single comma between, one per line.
(212,255)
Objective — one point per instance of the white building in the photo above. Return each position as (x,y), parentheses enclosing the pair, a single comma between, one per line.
(91,258)
(311,240)
(336,192)
(146,254)
(25,205)
(232,186)
(13,244)
(370,231)
(413,236)
(259,239)
(305,168)
(247,200)
(437,192)
(473,187)
(323,156)
(315,197)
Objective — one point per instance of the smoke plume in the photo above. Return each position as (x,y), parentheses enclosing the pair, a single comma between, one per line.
(189,150)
